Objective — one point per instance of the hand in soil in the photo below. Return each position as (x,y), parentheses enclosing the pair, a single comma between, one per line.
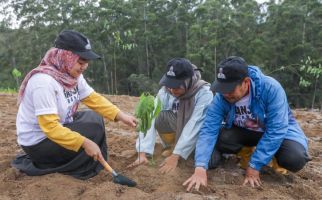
(197,179)
(169,164)
(252,177)
(142,159)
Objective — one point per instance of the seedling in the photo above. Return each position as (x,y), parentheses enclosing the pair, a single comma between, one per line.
(146,110)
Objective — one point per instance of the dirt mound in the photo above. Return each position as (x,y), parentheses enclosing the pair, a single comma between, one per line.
(224,182)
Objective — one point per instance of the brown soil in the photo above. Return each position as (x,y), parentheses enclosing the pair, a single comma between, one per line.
(224,182)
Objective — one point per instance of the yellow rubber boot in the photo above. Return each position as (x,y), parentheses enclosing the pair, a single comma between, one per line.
(245,154)
(278,169)
(168,139)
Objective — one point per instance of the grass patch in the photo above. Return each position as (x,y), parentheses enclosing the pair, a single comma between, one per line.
(8,90)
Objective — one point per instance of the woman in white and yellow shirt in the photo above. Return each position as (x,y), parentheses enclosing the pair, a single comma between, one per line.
(54,137)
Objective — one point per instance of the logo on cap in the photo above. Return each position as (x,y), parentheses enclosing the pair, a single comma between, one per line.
(221,75)
(88,45)
(171,72)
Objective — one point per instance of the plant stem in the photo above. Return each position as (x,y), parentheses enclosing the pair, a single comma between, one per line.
(139,147)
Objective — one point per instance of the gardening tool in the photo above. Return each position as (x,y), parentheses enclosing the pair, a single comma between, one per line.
(118,178)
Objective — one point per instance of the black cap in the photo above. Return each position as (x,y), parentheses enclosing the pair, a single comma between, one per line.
(231,72)
(178,70)
(77,43)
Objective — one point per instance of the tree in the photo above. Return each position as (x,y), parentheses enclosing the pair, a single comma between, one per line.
(312,72)
(139,36)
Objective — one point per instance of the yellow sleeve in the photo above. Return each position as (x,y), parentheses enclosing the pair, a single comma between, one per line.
(63,136)
(101,105)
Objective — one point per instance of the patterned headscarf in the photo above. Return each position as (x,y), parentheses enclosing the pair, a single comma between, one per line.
(56,63)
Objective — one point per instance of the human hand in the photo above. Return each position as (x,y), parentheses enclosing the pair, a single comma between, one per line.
(197,179)
(142,159)
(92,149)
(252,177)
(126,119)
(169,164)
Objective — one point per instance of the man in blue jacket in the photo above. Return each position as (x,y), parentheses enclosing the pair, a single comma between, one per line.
(255,112)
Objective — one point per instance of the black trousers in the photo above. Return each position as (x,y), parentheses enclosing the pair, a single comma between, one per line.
(48,157)
(291,155)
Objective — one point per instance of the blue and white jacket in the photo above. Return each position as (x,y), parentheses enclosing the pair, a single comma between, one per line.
(268,103)
(188,139)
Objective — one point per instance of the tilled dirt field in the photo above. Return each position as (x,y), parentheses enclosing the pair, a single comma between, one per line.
(224,182)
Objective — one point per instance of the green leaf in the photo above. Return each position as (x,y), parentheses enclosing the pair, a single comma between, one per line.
(16,73)
(146,111)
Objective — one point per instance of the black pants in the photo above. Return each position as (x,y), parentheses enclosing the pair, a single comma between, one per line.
(48,157)
(291,155)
